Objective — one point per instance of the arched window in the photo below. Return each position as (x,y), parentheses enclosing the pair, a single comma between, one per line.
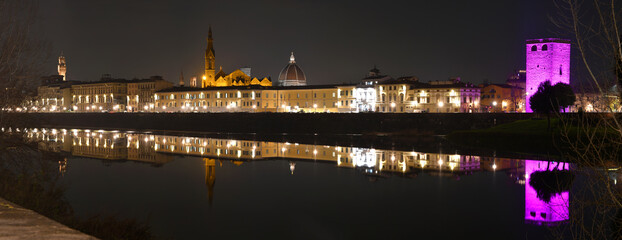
(560,70)
(534,48)
(544,47)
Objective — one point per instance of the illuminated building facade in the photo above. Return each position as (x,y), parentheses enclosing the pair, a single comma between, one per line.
(502,98)
(319,98)
(54,96)
(408,95)
(105,95)
(547,59)
(140,93)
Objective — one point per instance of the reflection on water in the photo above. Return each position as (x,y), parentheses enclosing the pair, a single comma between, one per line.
(376,164)
(544,211)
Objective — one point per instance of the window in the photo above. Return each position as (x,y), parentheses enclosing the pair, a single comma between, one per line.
(534,48)
(544,47)
(560,70)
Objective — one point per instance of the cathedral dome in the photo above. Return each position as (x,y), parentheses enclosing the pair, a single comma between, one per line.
(292,75)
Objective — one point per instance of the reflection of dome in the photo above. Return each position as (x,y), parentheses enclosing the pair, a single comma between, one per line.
(292,167)
(292,75)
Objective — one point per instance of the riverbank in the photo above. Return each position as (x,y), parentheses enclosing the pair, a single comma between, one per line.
(538,137)
(17,222)
(272,123)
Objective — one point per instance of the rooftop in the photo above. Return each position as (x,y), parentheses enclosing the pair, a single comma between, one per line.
(253,87)
(547,40)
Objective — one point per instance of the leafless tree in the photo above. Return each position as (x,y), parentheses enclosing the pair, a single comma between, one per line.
(23,51)
(594,140)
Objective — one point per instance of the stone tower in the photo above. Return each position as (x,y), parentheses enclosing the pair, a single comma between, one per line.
(62,66)
(210,62)
(548,59)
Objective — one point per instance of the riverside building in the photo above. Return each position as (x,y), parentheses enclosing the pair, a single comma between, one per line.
(319,98)
(408,95)
(140,93)
(110,94)
(502,98)
(54,94)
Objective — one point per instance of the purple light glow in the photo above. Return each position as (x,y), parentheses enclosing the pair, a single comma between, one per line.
(547,59)
(538,211)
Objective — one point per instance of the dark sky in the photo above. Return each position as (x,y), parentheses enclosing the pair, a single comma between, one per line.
(334,41)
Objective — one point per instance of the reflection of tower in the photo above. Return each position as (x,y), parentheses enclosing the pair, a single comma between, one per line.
(62,66)
(547,60)
(62,166)
(538,211)
(210,177)
(210,61)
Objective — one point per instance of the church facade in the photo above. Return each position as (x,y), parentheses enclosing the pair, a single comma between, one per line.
(211,78)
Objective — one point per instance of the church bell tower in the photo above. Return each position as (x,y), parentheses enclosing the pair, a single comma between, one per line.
(62,66)
(210,62)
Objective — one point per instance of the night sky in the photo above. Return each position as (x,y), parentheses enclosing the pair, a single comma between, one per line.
(334,42)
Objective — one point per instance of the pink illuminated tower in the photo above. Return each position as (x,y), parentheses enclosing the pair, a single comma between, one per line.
(548,59)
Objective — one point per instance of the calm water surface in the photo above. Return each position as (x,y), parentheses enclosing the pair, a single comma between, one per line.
(191,188)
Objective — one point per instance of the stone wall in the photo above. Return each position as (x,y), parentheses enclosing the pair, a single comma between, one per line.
(262,123)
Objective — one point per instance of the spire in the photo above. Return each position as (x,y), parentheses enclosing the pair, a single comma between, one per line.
(181,79)
(210,41)
(292,59)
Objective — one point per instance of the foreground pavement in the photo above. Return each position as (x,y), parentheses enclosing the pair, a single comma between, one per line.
(19,223)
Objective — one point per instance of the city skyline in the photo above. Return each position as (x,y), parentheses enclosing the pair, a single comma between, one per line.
(138,43)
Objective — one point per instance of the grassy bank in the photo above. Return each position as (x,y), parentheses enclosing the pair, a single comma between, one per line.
(534,135)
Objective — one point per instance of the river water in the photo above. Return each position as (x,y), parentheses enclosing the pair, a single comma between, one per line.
(193,187)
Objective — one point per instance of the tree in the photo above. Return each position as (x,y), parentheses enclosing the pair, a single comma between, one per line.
(23,51)
(594,140)
(552,99)
(564,96)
